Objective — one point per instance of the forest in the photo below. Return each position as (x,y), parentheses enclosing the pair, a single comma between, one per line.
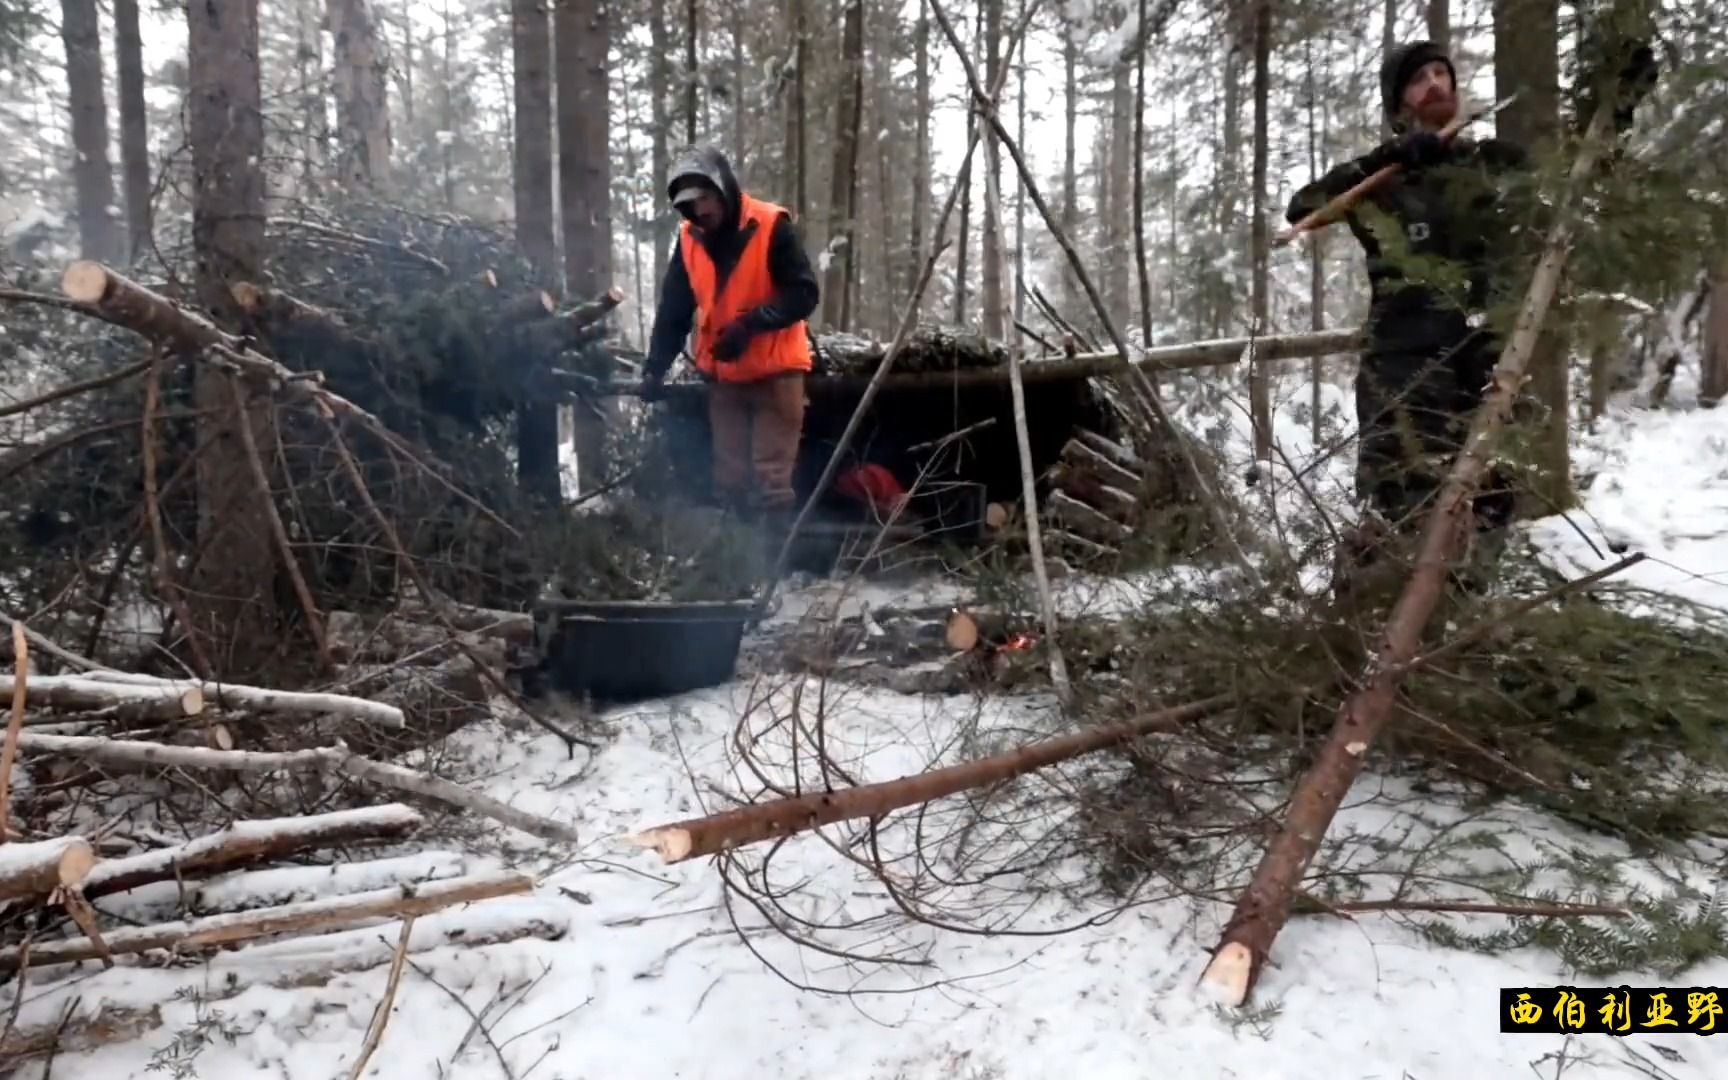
(1248,548)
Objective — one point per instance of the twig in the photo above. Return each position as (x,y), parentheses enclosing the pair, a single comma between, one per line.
(381,1015)
(22,296)
(74,389)
(952,436)
(15,725)
(477,1025)
(367,241)
(278,533)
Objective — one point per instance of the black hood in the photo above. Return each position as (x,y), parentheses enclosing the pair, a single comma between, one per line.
(1400,64)
(707,166)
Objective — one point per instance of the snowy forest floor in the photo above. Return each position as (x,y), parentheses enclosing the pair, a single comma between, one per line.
(660,976)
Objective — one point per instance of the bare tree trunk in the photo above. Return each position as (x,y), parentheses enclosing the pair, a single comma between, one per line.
(796,121)
(362,109)
(1713,382)
(990,290)
(447,105)
(1070,154)
(1316,259)
(692,69)
(237,617)
(583,34)
(531,46)
(92,175)
(740,141)
(1019,186)
(921,160)
(1121,187)
(1139,166)
(1439,16)
(134,129)
(309,72)
(1527,62)
(1259,375)
(843,179)
(1388,42)
(660,122)
(536,229)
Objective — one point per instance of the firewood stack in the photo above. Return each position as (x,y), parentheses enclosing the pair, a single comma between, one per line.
(187,901)
(1097,499)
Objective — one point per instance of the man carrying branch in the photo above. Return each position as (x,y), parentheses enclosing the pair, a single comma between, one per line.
(1439,241)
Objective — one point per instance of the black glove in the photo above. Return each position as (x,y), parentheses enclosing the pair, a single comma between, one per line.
(1411,150)
(730,345)
(653,388)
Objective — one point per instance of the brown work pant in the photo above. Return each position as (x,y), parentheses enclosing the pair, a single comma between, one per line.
(756,429)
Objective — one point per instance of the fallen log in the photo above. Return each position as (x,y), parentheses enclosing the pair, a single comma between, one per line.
(587,314)
(247,843)
(1086,520)
(152,700)
(787,817)
(1264,905)
(326,759)
(288,919)
(270,305)
(35,870)
(1218,352)
(102,1025)
(1086,549)
(235,696)
(245,890)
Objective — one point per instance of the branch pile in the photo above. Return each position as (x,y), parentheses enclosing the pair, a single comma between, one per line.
(197,899)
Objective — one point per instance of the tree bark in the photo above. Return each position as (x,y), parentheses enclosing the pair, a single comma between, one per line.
(1259,372)
(1265,905)
(1439,16)
(134,129)
(249,843)
(236,697)
(796,120)
(990,285)
(921,153)
(236,614)
(660,121)
(92,175)
(83,693)
(1142,266)
(696,837)
(1070,154)
(531,46)
(843,178)
(362,106)
(288,919)
(692,70)
(585,188)
(1713,381)
(1527,63)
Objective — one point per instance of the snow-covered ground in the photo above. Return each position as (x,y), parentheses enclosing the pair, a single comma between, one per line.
(658,977)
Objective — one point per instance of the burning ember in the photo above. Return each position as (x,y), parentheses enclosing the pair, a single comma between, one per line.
(1017,643)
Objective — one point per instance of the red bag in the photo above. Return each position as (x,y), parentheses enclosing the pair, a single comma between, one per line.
(872,485)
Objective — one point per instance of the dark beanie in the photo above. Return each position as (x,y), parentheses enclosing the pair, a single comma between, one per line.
(1400,65)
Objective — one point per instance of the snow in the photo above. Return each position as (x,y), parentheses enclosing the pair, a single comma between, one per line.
(660,976)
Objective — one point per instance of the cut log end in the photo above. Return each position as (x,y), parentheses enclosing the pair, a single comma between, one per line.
(489,279)
(961,633)
(249,296)
(670,842)
(547,301)
(85,281)
(1226,978)
(76,862)
(615,295)
(995,516)
(192,701)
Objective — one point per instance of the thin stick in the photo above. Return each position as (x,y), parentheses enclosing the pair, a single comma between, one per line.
(278,533)
(1029,496)
(15,725)
(908,319)
(74,389)
(381,1015)
(158,537)
(1466,907)
(1137,378)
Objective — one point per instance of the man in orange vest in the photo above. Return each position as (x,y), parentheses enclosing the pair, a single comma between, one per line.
(741,278)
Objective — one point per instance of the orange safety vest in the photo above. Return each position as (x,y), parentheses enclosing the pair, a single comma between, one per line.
(747,287)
